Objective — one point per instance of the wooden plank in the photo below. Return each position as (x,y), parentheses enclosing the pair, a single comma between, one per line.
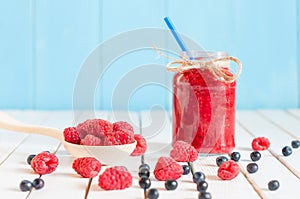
(156,128)
(269,167)
(263,44)
(9,140)
(294,112)
(158,123)
(283,120)
(16,163)
(259,126)
(128,80)
(62,41)
(16,71)
(64,179)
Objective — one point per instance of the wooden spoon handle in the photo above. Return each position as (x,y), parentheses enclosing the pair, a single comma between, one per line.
(9,123)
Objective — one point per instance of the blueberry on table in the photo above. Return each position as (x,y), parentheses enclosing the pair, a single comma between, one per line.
(235,156)
(202,186)
(38,183)
(145,182)
(286,151)
(295,144)
(204,195)
(221,159)
(252,167)
(273,185)
(255,156)
(198,177)
(25,185)
(144,172)
(152,194)
(171,184)
(186,169)
(29,158)
(144,166)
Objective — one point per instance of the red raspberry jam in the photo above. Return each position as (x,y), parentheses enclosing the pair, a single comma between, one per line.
(204,110)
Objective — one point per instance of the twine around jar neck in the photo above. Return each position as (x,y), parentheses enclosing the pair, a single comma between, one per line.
(215,66)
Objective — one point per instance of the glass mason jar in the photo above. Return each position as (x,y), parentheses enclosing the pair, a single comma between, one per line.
(204,105)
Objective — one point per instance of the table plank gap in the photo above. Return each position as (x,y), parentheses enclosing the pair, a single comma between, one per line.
(264,174)
(252,182)
(294,112)
(278,137)
(248,123)
(73,185)
(274,118)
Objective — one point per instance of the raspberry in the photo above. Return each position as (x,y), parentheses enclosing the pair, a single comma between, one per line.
(123,126)
(119,137)
(44,163)
(87,167)
(167,168)
(115,178)
(141,145)
(260,144)
(228,170)
(71,135)
(96,127)
(183,152)
(91,140)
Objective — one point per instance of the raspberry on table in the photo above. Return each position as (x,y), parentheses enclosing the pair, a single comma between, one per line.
(260,144)
(123,126)
(183,152)
(228,170)
(115,178)
(141,145)
(87,167)
(96,127)
(91,140)
(118,138)
(167,168)
(71,135)
(44,163)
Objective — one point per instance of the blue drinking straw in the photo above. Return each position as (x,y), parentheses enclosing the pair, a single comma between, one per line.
(175,34)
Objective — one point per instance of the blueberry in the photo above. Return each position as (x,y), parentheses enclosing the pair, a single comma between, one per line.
(221,159)
(145,183)
(171,184)
(186,169)
(198,177)
(25,185)
(235,156)
(38,183)
(144,166)
(152,194)
(144,172)
(295,144)
(286,151)
(273,185)
(255,156)
(204,195)
(29,158)
(202,186)
(252,167)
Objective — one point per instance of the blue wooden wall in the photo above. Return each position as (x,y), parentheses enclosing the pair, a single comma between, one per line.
(43,44)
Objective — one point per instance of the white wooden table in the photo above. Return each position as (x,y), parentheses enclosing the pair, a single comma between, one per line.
(280,126)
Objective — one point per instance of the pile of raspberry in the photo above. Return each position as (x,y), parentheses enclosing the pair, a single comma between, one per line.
(99,132)
(96,132)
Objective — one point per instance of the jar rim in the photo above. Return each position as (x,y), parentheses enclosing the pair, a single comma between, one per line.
(204,54)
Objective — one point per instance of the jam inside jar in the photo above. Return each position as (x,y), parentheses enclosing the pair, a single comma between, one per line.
(204,106)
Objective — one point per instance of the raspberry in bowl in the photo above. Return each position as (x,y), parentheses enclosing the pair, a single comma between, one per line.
(71,140)
(101,139)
